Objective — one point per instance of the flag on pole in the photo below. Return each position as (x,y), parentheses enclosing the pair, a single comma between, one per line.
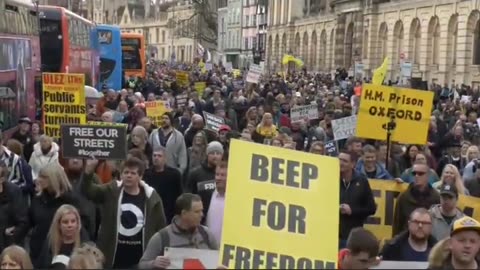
(380,73)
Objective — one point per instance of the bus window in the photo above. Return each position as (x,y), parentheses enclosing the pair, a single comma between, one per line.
(52,46)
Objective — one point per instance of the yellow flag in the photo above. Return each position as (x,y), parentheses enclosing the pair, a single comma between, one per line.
(380,73)
(287,58)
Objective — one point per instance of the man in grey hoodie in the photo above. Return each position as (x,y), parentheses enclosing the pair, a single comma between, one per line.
(445,213)
(173,141)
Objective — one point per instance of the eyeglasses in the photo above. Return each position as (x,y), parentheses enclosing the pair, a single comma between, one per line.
(414,173)
(419,222)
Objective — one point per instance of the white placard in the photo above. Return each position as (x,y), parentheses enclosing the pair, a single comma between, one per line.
(228,67)
(254,73)
(179,257)
(301,112)
(344,128)
(401,265)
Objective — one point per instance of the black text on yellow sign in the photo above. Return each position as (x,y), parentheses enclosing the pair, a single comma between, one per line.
(410,109)
(386,193)
(63,101)
(279,215)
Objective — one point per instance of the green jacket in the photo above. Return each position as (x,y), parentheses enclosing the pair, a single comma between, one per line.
(108,197)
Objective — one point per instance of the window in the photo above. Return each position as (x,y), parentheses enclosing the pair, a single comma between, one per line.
(254,42)
(246,43)
(254,17)
(104,36)
(163,36)
(246,20)
(157,33)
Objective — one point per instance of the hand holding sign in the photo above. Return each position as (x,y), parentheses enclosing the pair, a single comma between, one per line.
(91,165)
(161,262)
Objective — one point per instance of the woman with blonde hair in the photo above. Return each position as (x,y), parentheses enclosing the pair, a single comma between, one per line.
(138,139)
(87,256)
(472,153)
(451,176)
(63,238)
(53,190)
(15,257)
(266,129)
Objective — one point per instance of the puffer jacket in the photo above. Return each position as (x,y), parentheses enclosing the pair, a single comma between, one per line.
(38,160)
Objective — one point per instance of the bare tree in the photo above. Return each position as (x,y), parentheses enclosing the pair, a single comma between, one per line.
(201,25)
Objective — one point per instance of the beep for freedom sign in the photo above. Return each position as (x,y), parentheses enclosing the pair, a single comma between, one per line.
(411,110)
(101,142)
(291,205)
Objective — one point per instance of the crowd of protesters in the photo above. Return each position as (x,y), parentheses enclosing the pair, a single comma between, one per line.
(72,213)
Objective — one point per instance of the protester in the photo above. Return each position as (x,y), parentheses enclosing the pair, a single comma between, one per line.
(360,252)
(185,231)
(44,152)
(415,243)
(123,237)
(445,213)
(86,256)
(206,171)
(15,257)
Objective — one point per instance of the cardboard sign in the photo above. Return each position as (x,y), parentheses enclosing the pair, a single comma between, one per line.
(156,109)
(411,110)
(401,265)
(101,142)
(331,148)
(213,122)
(344,128)
(302,112)
(63,101)
(278,216)
(182,78)
(254,73)
(192,258)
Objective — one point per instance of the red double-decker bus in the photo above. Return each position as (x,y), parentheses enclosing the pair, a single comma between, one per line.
(66,43)
(20,75)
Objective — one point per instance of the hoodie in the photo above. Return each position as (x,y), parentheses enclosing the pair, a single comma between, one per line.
(381,172)
(109,196)
(440,228)
(38,160)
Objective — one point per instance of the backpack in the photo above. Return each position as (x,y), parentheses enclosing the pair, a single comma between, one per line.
(166,238)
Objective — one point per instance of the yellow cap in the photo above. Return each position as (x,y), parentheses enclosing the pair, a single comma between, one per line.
(464,224)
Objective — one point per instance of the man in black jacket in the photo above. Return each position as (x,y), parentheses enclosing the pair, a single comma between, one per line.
(413,244)
(356,197)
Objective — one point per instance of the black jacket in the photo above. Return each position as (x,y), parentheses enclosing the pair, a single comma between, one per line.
(358,195)
(13,213)
(197,175)
(42,210)
(391,250)
(205,192)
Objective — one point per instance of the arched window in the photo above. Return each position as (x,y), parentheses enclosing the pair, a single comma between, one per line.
(383,45)
(415,40)
(313,51)
(348,48)
(323,49)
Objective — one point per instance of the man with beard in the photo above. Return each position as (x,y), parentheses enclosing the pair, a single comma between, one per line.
(413,244)
(173,141)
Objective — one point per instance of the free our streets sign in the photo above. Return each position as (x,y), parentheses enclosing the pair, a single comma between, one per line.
(101,142)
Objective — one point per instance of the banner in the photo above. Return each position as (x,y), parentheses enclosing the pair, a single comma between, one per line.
(98,123)
(401,265)
(182,78)
(272,209)
(344,128)
(410,109)
(386,193)
(102,142)
(212,122)
(302,112)
(63,101)
(155,110)
(192,258)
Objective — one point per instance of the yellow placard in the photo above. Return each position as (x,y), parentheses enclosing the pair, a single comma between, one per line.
(236,73)
(200,88)
(386,193)
(63,101)
(292,203)
(155,110)
(182,78)
(410,108)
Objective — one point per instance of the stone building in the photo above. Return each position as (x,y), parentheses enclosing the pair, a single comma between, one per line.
(440,38)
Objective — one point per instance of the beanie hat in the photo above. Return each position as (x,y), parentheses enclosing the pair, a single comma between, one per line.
(214,147)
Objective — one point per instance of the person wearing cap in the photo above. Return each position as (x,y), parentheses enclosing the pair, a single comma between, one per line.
(464,245)
(206,171)
(222,134)
(413,244)
(453,157)
(445,213)
(23,134)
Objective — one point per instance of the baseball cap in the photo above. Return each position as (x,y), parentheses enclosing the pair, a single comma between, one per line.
(224,128)
(465,224)
(449,190)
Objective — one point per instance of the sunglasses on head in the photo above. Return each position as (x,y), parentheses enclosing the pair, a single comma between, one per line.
(418,173)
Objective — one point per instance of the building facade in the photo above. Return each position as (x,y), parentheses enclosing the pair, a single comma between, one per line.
(222,15)
(233,48)
(441,39)
(249,30)
(262,24)
(165,34)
